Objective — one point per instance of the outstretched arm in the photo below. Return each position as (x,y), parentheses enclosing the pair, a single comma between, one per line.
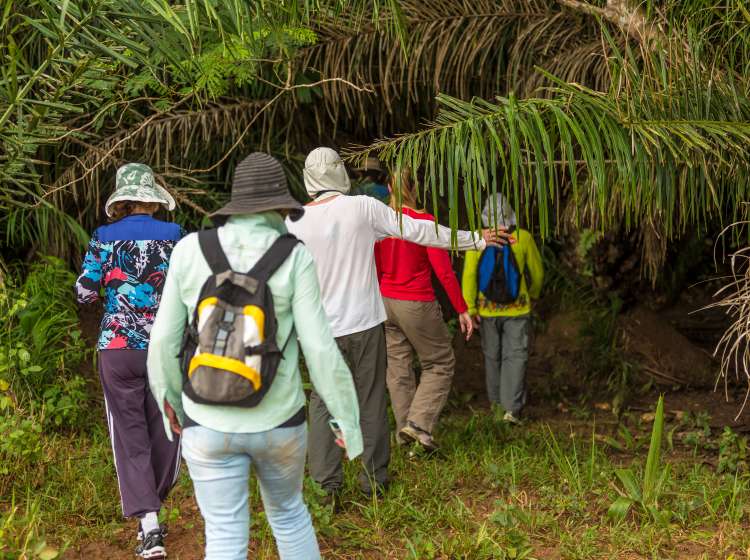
(386,222)
(440,262)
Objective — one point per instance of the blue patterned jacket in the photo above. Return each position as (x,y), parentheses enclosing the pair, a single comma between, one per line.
(127,263)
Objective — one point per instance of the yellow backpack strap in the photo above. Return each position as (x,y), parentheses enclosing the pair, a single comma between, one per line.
(226,364)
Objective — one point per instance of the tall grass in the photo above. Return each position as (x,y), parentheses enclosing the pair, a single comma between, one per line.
(492,495)
(20,537)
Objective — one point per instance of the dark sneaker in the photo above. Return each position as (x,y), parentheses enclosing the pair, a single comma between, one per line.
(331,499)
(152,546)
(162,526)
(413,434)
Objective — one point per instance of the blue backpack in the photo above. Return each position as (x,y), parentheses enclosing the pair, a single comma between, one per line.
(499,276)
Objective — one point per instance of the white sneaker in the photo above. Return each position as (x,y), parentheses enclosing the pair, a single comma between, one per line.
(511,418)
(152,546)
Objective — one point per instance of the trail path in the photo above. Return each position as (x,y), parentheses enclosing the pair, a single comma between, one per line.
(185,540)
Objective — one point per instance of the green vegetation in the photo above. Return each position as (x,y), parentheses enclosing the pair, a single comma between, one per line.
(584,119)
(45,406)
(627,144)
(41,351)
(495,493)
(87,84)
(583,484)
(501,493)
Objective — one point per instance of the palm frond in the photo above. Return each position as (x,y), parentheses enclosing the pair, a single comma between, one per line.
(464,49)
(657,149)
(85,83)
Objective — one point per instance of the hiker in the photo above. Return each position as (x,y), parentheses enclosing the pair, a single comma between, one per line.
(341,232)
(127,260)
(243,404)
(504,319)
(372,180)
(415,321)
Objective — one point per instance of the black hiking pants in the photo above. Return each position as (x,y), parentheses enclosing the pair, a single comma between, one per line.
(365,354)
(147,462)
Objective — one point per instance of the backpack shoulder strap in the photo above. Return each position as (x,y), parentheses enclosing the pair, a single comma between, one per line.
(274,257)
(212,251)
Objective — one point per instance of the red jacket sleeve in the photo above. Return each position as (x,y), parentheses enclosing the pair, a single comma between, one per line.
(441,264)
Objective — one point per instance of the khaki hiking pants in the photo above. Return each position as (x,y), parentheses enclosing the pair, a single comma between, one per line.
(418,326)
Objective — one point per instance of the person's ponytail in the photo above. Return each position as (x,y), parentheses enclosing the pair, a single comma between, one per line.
(403,187)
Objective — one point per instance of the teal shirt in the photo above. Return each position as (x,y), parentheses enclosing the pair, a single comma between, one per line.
(371,188)
(296,297)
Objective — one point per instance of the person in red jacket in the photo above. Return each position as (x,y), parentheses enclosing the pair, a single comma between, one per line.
(415,321)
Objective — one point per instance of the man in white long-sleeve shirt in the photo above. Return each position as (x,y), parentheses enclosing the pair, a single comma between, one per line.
(341,232)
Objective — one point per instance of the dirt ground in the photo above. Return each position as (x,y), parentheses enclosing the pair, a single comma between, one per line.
(670,347)
(185,540)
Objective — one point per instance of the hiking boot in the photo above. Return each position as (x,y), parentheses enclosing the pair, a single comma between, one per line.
(400,440)
(511,418)
(162,526)
(152,546)
(413,434)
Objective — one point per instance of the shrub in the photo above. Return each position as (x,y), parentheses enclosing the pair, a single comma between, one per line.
(40,351)
(21,444)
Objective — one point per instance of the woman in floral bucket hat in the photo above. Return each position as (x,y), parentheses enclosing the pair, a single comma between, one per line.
(126,265)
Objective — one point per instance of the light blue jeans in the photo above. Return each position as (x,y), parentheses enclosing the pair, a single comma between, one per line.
(219,465)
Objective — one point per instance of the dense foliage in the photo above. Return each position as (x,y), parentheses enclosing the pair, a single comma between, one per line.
(89,84)
(41,353)
(661,147)
(43,395)
(611,113)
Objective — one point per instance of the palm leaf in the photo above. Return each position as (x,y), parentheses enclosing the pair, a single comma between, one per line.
(465,49)
(655,149)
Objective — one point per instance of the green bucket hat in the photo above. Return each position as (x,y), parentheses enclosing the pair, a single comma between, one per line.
(135,182)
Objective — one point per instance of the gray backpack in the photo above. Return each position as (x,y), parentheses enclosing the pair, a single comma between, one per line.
(229,353)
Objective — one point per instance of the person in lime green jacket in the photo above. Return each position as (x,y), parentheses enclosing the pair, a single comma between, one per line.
(504,329)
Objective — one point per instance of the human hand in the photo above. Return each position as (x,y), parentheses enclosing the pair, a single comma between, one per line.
(337,434)
(498,236)
(476,319)
(174,423)
(467,325)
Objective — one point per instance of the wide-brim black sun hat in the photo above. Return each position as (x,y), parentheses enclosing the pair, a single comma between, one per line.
(259,185)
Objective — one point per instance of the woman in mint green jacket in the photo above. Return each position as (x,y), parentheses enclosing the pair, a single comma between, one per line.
(221,443)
